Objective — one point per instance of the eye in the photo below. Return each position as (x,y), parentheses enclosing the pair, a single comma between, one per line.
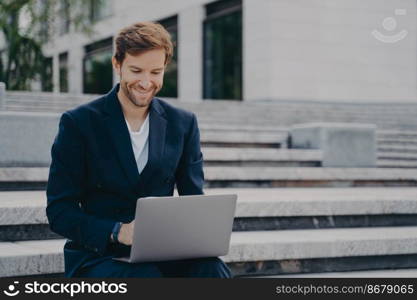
(135,71)
(156,73)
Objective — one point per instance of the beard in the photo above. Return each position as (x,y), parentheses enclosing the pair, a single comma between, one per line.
(137,101)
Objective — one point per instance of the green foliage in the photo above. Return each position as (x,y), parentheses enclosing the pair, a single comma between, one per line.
(22,59)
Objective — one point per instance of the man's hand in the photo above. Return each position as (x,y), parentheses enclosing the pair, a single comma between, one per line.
(126,233)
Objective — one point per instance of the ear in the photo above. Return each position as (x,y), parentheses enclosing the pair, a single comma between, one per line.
(116,65)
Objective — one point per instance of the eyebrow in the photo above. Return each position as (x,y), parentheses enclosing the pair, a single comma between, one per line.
(156,69)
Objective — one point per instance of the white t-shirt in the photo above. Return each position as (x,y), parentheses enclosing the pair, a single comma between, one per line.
(140,143)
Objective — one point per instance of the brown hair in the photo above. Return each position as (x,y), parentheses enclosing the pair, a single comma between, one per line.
(140,37)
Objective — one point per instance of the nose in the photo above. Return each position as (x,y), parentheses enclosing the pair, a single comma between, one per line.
(144,84)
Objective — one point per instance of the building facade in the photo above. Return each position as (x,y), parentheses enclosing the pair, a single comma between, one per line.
(249,50)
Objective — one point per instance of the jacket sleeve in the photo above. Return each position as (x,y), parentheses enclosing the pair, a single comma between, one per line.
(189,175)
(66,190)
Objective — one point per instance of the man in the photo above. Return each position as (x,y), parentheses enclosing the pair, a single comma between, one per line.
(122,146)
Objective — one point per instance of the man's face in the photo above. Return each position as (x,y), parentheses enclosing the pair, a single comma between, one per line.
(141,76)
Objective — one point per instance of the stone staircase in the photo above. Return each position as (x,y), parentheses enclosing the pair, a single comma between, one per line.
(324,220)
(397,149)
(293,218)
(277,113)
(276,231)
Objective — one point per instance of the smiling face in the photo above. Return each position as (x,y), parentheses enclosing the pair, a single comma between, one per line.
(141,76)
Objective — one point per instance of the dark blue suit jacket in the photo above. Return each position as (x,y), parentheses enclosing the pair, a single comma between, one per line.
(94,181)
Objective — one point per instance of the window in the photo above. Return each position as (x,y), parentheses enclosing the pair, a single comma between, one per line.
(97,67)
(63,72)
(99,9)
(44,26)
(46,75)
(222,43)
(64,17)
(170,88)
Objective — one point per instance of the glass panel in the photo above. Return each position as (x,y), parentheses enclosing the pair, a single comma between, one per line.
(99,9)
(63,72)
(170,88)
(46,76)
(64,17)
(223,56)
(98,70)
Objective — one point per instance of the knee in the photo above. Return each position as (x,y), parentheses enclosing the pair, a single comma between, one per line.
(142,270)
(212,267)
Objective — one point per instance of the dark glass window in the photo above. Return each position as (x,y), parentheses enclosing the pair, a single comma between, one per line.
(99,9)
(98,70)
(222,40)
(64,17)
(63,72)
(170,88)
(44,27)
(46,75)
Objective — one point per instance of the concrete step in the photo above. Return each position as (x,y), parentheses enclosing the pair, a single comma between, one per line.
(272,113)
(244,127)
(397,156)
(397,148)
(388,163)
(260,157)
(249,251)
(35,178)
(22,213)
(399,142)
(308,177)
(397,134)
(243,139)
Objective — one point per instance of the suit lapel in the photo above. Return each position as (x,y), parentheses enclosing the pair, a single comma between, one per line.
(119,133)
(157,131)
(121,139)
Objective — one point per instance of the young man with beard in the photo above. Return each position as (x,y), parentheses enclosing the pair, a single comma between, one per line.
(112,151)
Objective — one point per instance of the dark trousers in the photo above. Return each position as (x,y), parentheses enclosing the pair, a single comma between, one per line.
(212,267)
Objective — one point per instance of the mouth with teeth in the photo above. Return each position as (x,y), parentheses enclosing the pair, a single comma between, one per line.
(142,92)
(139,96)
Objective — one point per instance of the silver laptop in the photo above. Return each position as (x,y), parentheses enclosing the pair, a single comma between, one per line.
(172,228)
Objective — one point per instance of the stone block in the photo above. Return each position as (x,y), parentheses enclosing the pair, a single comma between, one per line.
(26,138)
(342,144)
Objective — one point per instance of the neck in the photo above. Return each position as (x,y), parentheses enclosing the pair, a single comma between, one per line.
(131,111)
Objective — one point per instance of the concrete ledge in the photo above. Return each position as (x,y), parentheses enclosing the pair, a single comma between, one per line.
(261,154)
(302,244)
(343,144)
(24,174)
(255,173)
(243,137)
(17,208)
(31,257)
(43,257)
(249,173)
(322,201)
